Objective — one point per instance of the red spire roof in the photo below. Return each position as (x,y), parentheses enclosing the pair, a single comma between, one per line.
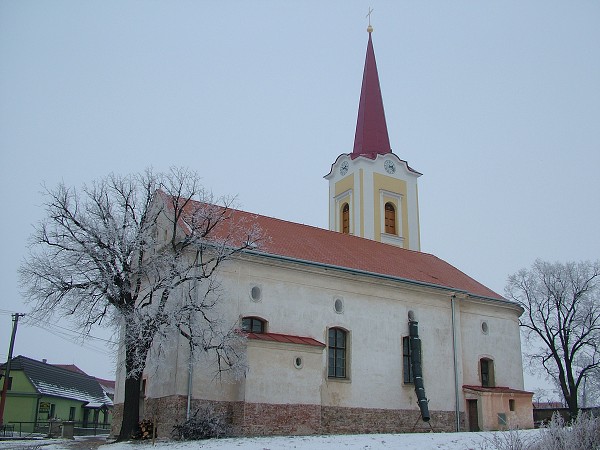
(371,136)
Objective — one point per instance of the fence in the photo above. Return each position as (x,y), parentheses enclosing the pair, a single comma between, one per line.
(22,429)
(542,416)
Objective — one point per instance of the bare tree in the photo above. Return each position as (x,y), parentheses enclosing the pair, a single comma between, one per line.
(138,252)
(561,321)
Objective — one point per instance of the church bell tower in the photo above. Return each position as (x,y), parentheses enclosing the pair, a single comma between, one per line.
(372,192)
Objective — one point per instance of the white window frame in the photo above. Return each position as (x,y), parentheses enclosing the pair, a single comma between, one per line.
(344,197)
(384,197)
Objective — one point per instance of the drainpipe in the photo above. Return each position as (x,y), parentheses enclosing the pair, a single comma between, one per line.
(455,357)
(189,387)
(191,360)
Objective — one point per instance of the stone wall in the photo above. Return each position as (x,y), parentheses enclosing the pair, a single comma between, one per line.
(117,418)
(339,420)
(261,419)
(268,419)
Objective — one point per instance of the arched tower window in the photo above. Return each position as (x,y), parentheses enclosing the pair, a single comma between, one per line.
(486,370)
(346,218)
(390,218)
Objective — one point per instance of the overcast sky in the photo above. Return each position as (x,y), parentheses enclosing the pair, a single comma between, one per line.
(497,103)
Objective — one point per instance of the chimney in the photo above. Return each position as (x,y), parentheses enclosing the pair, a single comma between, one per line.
(44,361)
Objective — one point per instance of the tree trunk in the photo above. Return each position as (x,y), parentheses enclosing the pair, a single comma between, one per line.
(573,404)
(131,408)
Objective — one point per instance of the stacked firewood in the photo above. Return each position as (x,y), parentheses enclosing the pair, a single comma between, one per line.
(146,430)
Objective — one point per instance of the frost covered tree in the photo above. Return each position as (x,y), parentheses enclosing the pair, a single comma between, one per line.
(140,253)
(561,321)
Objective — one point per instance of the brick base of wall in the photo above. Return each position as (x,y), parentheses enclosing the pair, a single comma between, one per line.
(340,420)
(261,419)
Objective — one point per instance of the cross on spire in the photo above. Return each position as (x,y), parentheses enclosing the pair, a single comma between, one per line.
(369,28)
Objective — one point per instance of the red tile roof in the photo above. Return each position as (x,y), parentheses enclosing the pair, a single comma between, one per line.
(318,246)
(71,367)
(496,389)
(329,249)
(284,338)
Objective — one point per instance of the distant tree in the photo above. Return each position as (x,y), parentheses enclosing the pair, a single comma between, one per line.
(561,321)
(138,252)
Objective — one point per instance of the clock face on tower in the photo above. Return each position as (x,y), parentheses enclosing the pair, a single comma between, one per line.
(344,168)
(389,166)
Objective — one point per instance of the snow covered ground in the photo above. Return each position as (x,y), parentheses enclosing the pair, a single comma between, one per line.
(416,441)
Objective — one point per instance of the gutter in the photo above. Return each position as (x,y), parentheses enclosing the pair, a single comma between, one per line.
(455,358)
(381,276)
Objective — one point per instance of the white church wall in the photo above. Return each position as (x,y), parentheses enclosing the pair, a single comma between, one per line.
(283,373)
(500,341)
(299,301)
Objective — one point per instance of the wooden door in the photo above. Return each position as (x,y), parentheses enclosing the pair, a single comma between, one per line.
(473,415)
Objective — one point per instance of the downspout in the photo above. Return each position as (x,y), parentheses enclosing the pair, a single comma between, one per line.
(189,387)
(417,369)
(37,409)
(191,359)
(455,356)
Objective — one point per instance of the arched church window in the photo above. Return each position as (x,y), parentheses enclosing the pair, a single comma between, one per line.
(336,353)
(346,218)
(390,218)
(253,325)
(486,370)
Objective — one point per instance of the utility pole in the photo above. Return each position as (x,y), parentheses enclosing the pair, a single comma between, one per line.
(7,367)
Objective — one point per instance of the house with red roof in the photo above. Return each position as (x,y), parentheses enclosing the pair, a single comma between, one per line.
(353,329)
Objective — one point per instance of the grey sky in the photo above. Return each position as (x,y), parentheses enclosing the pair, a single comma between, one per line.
(496,103)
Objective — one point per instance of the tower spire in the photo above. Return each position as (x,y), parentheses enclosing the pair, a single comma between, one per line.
(371,136)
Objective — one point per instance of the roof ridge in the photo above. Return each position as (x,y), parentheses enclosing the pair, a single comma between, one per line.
(55,367)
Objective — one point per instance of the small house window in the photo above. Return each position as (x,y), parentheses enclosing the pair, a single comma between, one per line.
(346,218)
(253,325)
(390,218)
(406,361)
(72,410)
(486,369)
(511,404)
(502,419)
(337,346)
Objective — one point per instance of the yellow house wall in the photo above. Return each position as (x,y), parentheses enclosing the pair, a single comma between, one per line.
(489,405)
(344,185)
(20,400)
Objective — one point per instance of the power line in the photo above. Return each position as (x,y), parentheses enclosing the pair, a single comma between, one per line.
(77,340)
(79,333)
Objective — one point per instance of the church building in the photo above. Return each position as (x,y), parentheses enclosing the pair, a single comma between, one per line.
(354,329)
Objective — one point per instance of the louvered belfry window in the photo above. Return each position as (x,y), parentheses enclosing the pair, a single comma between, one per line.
(390,218)
(346,218)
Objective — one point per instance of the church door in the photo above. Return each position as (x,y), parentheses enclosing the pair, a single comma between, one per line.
(473,415)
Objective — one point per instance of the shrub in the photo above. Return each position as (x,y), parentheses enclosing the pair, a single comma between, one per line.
(506,440)
(582,434)
(204,424)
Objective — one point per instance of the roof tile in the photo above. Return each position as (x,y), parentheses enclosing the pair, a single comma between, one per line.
(284,338)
